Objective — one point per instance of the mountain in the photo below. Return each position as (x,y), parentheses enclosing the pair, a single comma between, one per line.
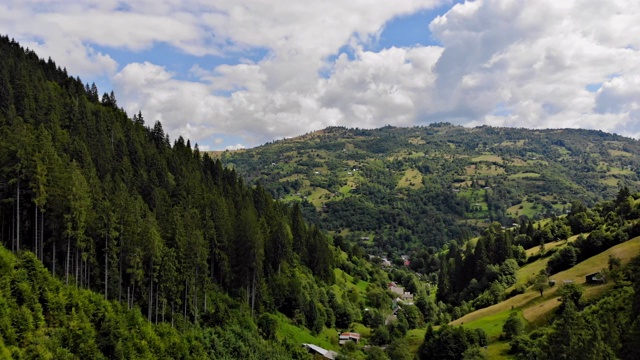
(394,190)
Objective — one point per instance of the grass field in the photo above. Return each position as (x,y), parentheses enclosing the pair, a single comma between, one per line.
(536,309)
(528,208)
(415,338)
(530,270)
(488,158)
(317,197)
(483,169)
(548,246)
(327,339)
(346,190)
(541,162)
(491,324)
(619,171)
(517,143)
(543,309)
(524,175)
(561,149)
(619,153)
(412,178)
(345,281)
(498,350)
(517,162)
(610,181)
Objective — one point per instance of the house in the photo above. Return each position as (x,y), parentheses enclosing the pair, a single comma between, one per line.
(407,296)
(348,336)
(399,290)
(317,351)
(595,278)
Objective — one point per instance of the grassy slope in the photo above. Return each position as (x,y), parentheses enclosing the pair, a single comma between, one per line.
(327,339)
(534,308)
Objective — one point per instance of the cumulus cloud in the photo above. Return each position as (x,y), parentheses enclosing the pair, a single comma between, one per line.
(534,62)
(538,64)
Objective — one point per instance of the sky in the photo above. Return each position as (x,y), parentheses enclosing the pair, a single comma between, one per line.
(229,74)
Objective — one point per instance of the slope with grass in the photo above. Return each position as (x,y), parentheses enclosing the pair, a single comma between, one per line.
(536,309)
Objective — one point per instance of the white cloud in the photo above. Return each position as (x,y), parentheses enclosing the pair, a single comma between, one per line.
(181,106)
(619,94)
(500,62)
(234,147)
(536,61)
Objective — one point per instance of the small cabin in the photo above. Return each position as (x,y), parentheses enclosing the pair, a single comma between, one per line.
(595,278)
(349,336)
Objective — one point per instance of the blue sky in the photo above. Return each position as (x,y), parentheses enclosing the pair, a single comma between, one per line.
(230,74)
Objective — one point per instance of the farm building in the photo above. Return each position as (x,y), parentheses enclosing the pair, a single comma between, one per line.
(349,336)
(595,278)
(320,353)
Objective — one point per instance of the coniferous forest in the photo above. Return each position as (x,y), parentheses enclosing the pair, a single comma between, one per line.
(118,242)
(109,204)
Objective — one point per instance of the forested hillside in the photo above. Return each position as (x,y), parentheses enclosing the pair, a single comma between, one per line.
(394,190)
(535,296)
(108,203)
(41,318)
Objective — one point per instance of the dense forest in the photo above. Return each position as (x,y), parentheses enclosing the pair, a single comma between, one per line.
(107,203)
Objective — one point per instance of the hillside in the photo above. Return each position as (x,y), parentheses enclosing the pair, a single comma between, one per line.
(42,318)
(116,242)
(116,227)
(539,311)
(378,186)
(555,300)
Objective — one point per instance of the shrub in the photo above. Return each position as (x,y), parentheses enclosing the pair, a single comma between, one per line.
(562,260)
(513,326)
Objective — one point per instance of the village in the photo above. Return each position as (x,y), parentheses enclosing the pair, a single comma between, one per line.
(401,298)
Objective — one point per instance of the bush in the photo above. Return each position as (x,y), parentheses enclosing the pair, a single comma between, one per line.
(268,325)
(513,326)
(562,260)
(380,336)
(519,289)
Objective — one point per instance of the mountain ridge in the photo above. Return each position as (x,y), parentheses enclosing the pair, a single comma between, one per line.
(462,177)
